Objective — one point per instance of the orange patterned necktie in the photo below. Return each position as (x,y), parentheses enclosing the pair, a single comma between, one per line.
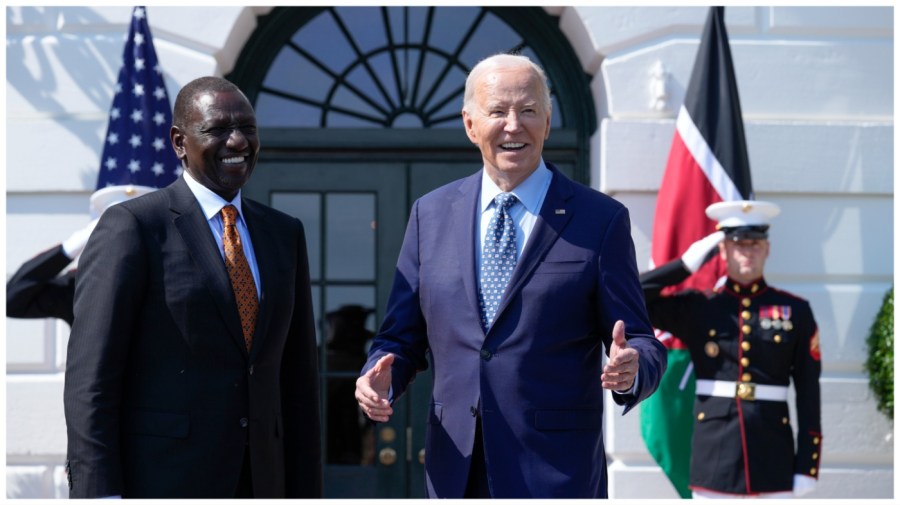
(240,274)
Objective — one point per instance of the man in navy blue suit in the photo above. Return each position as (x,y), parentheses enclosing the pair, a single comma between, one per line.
(516,298)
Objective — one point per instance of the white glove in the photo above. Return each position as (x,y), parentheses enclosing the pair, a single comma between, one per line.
(695,255)
(73,245)
(803,484)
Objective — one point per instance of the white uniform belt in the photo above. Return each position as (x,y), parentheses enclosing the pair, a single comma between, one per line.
(742,390)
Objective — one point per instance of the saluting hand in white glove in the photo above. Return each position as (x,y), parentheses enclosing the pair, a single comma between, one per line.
(73,245)
(698,252)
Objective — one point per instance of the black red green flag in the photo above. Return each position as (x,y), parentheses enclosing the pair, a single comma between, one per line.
(707,163)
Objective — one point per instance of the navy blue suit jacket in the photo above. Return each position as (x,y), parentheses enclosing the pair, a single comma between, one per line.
(536,373)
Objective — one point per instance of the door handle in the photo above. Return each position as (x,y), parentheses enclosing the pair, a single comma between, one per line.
(387,456)
(388,434)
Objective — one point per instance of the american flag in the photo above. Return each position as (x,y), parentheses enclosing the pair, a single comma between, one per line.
(137,150)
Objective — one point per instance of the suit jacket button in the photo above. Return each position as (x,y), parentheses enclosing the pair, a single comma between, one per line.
(244,422)
(486,355)
(474,411)
(251,369)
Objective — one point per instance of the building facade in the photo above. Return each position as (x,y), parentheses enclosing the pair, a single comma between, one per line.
(358,108)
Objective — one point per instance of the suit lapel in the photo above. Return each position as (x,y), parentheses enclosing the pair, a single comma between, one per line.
(464,215)
(264,248)
(553,218)
(194,230)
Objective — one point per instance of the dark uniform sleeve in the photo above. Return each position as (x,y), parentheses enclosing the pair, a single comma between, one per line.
(807,368)
(37,290)
(670,313)
(653,281)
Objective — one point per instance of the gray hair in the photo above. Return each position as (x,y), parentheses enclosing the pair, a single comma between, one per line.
(503,60)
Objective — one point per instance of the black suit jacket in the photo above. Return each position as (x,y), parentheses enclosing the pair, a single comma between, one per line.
(161,395)
(37,290)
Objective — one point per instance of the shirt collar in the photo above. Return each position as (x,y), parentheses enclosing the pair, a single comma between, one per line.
(530,192)
(210,202)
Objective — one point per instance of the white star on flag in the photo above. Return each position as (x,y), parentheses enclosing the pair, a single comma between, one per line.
(150,114)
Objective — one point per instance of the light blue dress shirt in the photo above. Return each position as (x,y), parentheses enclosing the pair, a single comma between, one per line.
(212,205)
(530,192)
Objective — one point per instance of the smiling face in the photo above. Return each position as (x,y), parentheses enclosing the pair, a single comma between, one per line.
(745,259)
(508,120)
(218,143)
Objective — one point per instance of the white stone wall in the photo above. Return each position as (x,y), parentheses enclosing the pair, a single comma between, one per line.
(816,88)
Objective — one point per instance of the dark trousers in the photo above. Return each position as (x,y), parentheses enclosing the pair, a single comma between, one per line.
(477,485)
(245,483)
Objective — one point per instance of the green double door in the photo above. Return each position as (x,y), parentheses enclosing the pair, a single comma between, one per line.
(355,215)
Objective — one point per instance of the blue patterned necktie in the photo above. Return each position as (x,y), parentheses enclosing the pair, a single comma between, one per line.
(498,258)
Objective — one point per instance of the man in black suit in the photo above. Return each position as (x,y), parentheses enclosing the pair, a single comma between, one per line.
(177,383)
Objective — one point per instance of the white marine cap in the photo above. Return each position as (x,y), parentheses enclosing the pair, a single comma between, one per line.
(743,219)
(106,197)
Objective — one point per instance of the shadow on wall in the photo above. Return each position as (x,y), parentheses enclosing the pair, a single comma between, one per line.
(842,238)
(91,60)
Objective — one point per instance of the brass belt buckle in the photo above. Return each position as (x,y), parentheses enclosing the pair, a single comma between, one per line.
(746,391)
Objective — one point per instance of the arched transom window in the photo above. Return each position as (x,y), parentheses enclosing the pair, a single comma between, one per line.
(383,67)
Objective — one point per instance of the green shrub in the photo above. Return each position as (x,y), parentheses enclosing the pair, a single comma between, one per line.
(880,363)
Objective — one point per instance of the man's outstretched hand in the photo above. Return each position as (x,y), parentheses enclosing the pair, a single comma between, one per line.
(622,367)
(373,388)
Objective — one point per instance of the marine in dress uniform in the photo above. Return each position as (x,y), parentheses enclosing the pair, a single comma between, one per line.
(38,289)
(748,341)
